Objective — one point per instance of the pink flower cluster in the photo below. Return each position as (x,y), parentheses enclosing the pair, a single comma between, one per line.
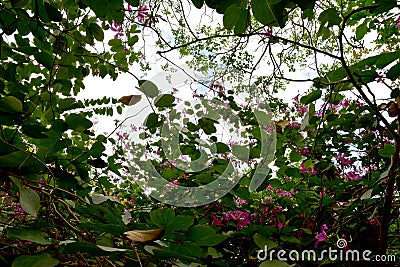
(284,193)
(18,212)
(172,184)
(301,109)
(307,170)
(349,171)
(142,13)
(304,151)
(168,163)
(343,160)
(241,218)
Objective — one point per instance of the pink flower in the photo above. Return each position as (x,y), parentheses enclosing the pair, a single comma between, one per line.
(142,13)
(268,33)
(216,221)
(301,109)
(240,217)
(352,176)
(238,202)
(115,27)
(322,193)
(42,182)
(344,103)
(303,151)
(281,225)
(305,170)
(283,193)
(343,160)
(322,236)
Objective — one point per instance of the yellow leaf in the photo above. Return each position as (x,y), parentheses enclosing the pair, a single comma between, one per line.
(282,124)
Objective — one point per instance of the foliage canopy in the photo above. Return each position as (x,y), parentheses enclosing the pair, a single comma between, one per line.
(67,201)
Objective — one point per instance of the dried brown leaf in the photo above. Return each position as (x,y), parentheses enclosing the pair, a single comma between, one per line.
(130,100)
(144,235)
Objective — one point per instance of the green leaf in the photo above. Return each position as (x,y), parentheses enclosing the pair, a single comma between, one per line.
(133,2)
(290,239)
(274,263)
(100,198)
(165,101)
(207,125)
(181,222)
(152,121)
(188,249)
(41,260)
(204,178)
(205,236)
(295,156)
(308,163)
(52,12)
(148,88)
(33,235)
(133,40)
(361,30)
(97,31)
(222,148)
(387,150)
(34,130)
(111,228)
(10,104)
(45,59)
(20,161)
(221,5)
(231,16)
(384,5)
(314,95)
(330,15)
(241,152)
(28,198)
(115,42)
(269,13)
(261,241)
(198,3)
(394,72)
(162,217)
(242,22)
(97,149)
(381,61)
(20,3)
(85,247)
(78,123)
(100,7)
